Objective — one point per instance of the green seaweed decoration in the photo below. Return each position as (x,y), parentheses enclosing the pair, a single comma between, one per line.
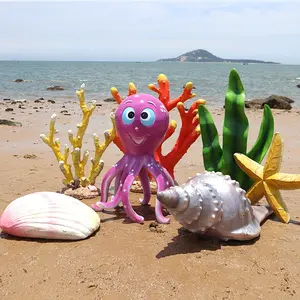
(235,134)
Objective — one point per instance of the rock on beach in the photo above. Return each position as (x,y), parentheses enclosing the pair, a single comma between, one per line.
(274,101)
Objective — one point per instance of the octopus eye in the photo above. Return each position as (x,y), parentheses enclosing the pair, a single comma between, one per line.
(147,117)
(128,115)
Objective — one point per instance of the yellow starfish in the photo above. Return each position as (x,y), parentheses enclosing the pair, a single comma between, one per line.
(268,180)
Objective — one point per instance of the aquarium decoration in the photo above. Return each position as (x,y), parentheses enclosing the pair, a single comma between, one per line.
(77,184)
(141,123)
(189,131)
(49,215)
(235,134)
(214,205)
(268,181)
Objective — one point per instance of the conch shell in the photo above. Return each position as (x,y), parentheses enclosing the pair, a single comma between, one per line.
(213,205)
(49,215)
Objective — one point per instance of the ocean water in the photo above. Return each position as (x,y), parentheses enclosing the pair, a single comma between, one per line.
(210,79)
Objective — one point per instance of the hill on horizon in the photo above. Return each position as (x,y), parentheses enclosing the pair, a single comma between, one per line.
(202,55)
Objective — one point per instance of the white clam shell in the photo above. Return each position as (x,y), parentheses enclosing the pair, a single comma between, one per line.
(49,215)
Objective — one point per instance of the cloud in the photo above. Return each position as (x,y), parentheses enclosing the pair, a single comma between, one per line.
(134,30)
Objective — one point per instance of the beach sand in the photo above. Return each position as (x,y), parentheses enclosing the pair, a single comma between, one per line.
(124,260)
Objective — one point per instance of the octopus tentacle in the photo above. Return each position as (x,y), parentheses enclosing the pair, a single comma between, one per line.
(109,176)
(122,176)
(116,199)
(96,207)
(161,178)
(144,178)
(170,181)
(106,181)
(128,168)
(126,204)
(117,182)
(125,193)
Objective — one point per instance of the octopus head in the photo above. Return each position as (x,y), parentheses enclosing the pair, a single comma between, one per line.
(142,122)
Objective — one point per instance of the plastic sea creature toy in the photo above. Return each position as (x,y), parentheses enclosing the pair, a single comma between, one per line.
(189,129)
(214,205)
(235,134)
(77,183)
(141,123)
(49,215)
(268,181)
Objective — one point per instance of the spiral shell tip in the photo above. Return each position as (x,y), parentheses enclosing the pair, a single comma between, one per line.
(169,198)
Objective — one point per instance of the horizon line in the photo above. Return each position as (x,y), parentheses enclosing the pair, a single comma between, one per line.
(144,61)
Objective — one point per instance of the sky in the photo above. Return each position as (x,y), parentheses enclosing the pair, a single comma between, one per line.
(149,30)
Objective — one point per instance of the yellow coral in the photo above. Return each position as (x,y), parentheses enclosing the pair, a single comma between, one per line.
(97,163)
(55,146)
(76,142)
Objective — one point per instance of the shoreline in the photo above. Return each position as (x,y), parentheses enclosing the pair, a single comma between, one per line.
(106,102)
(5,102)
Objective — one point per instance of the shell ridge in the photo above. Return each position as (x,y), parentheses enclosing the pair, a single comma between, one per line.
(49,215)
(36,223)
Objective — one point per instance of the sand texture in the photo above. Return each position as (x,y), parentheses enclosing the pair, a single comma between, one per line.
(124,260)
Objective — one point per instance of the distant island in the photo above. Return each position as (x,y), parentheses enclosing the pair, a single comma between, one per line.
(201,55)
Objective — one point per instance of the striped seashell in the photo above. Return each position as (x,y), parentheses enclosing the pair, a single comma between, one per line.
(49,215)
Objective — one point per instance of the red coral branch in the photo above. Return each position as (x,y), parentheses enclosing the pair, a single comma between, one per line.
(171,129)
(131,89)
(163,91)
(115,93)
(190,129)
(189,132)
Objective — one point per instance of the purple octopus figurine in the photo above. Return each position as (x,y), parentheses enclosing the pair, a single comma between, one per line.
(141,122)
